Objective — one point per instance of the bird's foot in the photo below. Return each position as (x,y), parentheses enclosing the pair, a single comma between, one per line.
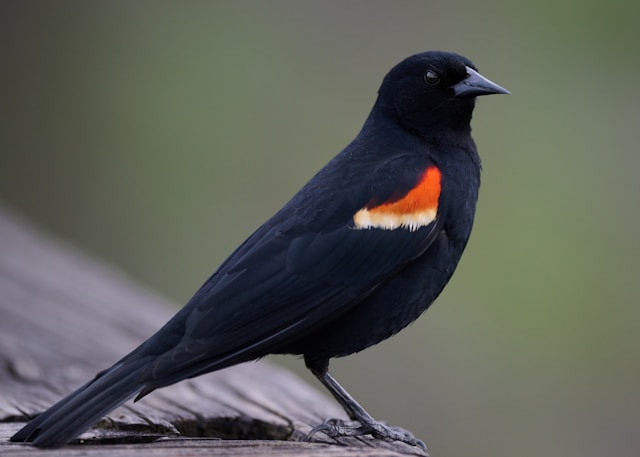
(335,428)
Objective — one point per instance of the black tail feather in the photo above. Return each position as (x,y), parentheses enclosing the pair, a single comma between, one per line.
(75,413)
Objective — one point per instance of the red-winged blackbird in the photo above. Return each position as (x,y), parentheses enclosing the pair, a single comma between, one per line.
(354,257)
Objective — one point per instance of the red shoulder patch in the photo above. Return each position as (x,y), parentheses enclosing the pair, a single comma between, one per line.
(416,209)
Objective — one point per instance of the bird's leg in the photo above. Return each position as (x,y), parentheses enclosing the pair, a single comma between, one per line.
(362,423)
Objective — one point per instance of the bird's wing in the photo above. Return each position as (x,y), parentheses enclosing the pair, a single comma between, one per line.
(305,267)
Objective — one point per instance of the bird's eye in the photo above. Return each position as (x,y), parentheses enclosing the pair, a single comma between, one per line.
(431,77)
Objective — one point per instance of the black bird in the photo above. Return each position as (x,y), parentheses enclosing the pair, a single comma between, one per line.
(354,257)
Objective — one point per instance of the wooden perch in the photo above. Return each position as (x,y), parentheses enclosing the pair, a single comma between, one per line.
(64,317)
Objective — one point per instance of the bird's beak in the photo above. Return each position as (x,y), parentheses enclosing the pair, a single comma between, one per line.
(475,84)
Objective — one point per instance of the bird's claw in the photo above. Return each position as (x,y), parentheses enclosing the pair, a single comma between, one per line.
(335,428)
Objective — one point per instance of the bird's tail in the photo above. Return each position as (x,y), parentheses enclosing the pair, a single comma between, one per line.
(75,413)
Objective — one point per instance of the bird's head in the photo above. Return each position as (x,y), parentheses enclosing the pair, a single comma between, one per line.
(434,88)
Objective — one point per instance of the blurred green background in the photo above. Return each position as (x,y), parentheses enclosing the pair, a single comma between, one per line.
(158,135)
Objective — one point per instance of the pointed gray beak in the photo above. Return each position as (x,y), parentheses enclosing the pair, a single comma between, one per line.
(475,84)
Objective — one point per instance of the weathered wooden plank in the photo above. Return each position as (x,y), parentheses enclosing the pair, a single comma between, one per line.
(196,447)
(64,317)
